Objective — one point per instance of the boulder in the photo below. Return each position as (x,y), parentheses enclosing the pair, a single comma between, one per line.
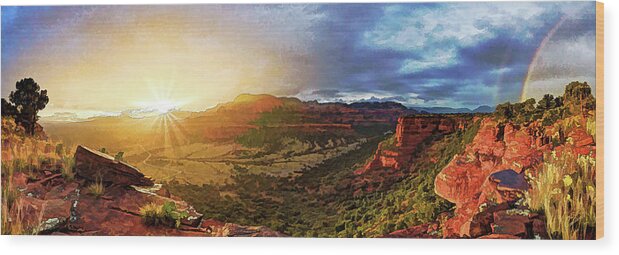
(539,229)
(512,223)
(489,170)
(509,180)
(94,166)
(499,236)
(481,223)
(42,216)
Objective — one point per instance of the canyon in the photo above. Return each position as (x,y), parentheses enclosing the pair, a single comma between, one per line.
(411,132)
(270,166)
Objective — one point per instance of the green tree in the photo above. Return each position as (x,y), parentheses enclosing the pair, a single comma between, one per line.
(25,103)
(578,97)
(547,102)
(8,109)
(504,110)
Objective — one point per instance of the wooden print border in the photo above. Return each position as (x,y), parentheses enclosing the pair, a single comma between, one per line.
(599,118)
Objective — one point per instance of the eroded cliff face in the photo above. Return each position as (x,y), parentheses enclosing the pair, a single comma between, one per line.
(488,177)
(411,132)
(393,157)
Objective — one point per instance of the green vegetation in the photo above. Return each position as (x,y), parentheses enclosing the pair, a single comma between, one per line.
(576,99)
(25,103)
(389,143)
(321,203)
(273,140)
(563,186)
(411,201)
(304,206)
(119,156)
(279,116)
(164,214)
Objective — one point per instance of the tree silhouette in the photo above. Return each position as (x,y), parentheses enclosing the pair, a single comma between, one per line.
(25,102)
(547,102)
(8,109)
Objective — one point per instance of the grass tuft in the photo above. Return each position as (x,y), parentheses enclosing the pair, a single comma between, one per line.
(96,189)
(162,214)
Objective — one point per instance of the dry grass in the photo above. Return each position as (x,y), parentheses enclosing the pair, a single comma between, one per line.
(26,155)
(67,170)
(96,189)
(590,125)
(162,214)
(564,190)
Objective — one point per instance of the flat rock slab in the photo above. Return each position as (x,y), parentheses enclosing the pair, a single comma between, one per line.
(499,236)
(94,165)
(509,180)
(507,222)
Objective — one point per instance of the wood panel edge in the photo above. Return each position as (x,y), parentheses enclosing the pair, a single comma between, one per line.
(599,96)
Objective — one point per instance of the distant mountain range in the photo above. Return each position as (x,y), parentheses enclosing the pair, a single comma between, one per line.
(480,109)
(256,104)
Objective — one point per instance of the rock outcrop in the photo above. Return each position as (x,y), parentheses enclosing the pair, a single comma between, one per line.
(392,160)
(487,178)
(411,132)
(98,166)
(49,203)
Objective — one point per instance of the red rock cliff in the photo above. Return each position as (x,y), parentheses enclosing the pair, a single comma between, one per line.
(411,131)
(469,180)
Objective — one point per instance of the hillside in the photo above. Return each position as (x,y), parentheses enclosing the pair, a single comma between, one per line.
(259,133)
(47,190)
(325,170)
(529,172)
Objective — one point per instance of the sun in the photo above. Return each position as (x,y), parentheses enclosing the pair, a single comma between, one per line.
(163,106)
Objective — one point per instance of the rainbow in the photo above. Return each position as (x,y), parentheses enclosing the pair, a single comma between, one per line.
(549,35)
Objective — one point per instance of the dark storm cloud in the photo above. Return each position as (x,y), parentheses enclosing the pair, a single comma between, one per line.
(476,54)
(328,93)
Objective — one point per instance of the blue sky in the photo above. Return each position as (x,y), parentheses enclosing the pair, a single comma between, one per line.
(448,54)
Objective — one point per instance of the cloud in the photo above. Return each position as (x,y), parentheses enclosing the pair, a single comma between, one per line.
(327,93)
(437,32)
(449,54)
(471,54)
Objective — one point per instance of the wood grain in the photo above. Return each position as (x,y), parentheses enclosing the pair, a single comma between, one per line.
(599,118)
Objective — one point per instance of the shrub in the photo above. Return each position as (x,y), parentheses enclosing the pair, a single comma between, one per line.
(119,156)
(96,189)
(389,143)
(166,214)
(577,99)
